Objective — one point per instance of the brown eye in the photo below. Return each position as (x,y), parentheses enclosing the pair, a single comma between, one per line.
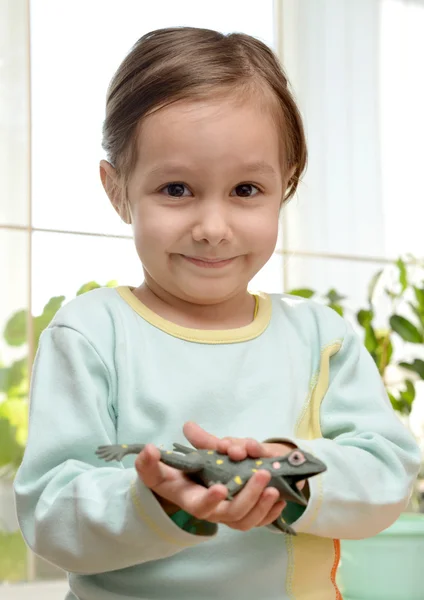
(296,458)
(176,190)
(246,190)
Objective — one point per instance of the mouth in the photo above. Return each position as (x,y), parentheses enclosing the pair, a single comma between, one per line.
(208,263)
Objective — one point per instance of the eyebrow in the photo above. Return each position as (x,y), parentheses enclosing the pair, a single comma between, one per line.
(260,166)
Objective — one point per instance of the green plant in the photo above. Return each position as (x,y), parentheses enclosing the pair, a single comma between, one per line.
(393,325)
(14,379)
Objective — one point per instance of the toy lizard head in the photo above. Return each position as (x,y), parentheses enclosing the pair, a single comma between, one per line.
(294,467)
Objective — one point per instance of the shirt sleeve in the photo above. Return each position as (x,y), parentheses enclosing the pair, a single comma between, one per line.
(372,459)
(73,510)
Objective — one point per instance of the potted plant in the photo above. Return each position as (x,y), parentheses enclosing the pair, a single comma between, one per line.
(386,566)
(14,388)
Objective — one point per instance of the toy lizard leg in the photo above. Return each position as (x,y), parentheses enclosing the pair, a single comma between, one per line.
(183,449)
(287,492)
(283,526)
(118,451)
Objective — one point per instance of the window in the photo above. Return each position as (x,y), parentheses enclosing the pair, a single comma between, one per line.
(351,65)
(57,228)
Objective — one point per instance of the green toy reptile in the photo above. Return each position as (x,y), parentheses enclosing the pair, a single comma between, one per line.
(208,467)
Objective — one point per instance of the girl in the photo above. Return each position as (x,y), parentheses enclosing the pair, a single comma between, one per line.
(204,145)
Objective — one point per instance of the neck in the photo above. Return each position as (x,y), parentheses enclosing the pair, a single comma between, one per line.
(230,313)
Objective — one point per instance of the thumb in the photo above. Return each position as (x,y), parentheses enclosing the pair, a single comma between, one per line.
(199,438)
(149,468)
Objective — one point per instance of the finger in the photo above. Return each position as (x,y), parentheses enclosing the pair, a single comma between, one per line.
(237,451)
(273,514)
(235,448)
(273,449)
(203,507)
(198,437)
(255,449)
(260,511)
(241,448)
(245,500)
(225,443)
(149,468)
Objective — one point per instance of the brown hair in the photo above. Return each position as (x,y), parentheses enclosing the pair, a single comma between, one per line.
(181,63)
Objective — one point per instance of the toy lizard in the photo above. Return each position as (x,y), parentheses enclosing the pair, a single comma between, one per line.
(208,467)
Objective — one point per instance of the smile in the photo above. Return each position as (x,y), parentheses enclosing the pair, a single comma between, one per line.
(208,263)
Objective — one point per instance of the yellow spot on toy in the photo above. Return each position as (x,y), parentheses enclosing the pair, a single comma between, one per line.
(210,452)
(258,462)
(169,452)
(254,470)
(124,446)
(219,462)
(238,480)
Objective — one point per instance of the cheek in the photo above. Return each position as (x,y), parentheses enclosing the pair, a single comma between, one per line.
(263,230)
(155,231)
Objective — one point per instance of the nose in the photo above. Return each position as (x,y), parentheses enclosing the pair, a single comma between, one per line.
(212,223)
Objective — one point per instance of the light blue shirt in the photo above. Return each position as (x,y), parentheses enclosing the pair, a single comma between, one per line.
(108,370)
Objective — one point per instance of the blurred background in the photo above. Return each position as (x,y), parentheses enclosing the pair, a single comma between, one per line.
(355,67)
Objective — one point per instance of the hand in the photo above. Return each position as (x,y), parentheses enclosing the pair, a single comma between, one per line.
(236,448)
(255,506)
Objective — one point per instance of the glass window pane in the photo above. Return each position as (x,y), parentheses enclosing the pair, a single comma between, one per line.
(13,394)
(63,263)
(349,278)
(69,88)
(14,112)
(402,125)
(270,277)
(332,58)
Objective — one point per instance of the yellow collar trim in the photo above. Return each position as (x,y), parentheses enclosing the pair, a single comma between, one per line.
(262,317)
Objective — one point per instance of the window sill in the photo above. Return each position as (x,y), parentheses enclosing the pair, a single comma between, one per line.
(42,590)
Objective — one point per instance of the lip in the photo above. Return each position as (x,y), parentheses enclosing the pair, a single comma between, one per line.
(208,263)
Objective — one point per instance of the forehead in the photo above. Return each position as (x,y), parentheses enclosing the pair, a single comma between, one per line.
(212,130)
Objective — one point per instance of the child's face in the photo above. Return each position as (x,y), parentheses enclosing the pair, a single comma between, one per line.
(205,197)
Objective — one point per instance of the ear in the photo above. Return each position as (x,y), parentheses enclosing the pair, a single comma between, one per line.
(287,181)
(114,190)
(289,176)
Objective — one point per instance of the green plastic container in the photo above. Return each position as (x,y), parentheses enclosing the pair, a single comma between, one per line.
(389,566)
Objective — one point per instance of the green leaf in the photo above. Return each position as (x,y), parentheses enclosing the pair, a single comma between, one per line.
(408,395)
(302,292)
(15,332)
(334,297)
(365,317)
(13,376)
(111,284)
(370,340)
(398,404)
(53,306)
(87,287)
(416,367)
(419,295)
(390,293)
(418,311)
(16,412)
(403,274)
(44,320)
(337,307)
(383,350)
(406,330)
(11,452)
(372,284)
